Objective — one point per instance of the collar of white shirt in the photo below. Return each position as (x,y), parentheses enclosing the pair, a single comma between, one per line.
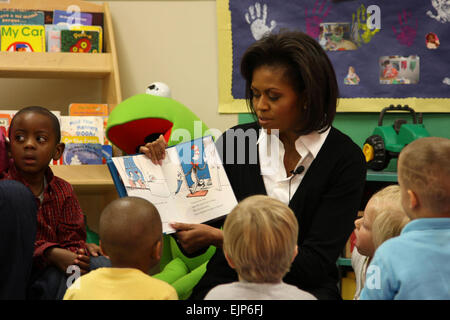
(271,154)
(271,150)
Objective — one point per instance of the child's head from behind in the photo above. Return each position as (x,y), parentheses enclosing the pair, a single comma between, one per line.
(260,239)
(424,178)
(131,233)
(34,136)
(385,200)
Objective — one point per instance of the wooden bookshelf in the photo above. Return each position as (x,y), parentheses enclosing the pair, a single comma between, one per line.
(92,183)
(55,65)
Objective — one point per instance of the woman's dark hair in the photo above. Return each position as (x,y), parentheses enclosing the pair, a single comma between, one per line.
(45,112)
(307,68)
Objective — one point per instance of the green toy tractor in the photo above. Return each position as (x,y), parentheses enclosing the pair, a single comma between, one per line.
(387,141)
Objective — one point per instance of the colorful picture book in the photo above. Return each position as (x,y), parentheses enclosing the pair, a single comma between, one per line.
(53,35)
(61,16)
(80,41)
(94,109)
(83,137)
(21,17)
(28,38)
(190,186)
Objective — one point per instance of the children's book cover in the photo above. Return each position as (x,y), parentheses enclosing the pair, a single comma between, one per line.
(79,41)
(88,109)
(83,136)
(82,153)
(21,17)
(94,109)
(91,28)
(28,38)
(53,37)
(190,186)
(61,16)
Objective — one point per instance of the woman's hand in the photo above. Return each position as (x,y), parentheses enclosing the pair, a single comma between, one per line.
(155,150)
(193,237)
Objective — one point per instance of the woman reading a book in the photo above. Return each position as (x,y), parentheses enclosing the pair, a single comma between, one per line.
(317,170)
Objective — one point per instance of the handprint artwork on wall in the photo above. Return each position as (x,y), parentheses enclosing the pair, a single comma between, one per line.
(353,33)
(360,31)
(315,17)
(257,20)
(406,33)
(442,8)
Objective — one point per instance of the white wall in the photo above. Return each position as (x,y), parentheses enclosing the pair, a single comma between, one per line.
(174,42)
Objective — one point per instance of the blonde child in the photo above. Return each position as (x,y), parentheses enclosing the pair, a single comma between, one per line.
(260,243)
(131,235)
(383,219)
(415,264)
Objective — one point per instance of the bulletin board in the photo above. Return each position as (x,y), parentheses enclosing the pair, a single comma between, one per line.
(384,52)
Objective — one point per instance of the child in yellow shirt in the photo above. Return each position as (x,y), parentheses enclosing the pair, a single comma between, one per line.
(131,235)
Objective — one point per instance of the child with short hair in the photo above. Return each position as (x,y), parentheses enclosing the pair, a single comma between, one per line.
(260,243)
(131,235)
(34,140)
(383,219)
(415,264)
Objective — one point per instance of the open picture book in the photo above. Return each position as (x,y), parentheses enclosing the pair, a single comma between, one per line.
(190,186)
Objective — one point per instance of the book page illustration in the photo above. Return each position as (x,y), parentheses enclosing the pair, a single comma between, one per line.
(195,168)
(190,186)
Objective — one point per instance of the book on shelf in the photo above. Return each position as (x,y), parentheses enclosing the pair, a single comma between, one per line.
(94,109)
(83,137)
(61,16)
(28,38)
(21,17)
(80,41)
(190,186)
(53,35)
(98,29)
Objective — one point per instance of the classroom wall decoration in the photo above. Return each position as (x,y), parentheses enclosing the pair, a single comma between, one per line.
(384,52)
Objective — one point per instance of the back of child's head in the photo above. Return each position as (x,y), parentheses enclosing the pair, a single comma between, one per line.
(386,199)
(130,229)
(423,168)
(260,238)
(43,111)
(388,224)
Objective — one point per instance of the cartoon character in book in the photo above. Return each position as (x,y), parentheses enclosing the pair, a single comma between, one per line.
(20,46)
(135,176)
(180,177)
(196,171)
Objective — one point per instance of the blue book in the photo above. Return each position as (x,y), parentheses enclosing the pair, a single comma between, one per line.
(61,16)
(83,153)
(21,17)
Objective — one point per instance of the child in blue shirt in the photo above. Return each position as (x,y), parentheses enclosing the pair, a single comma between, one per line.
(415,264)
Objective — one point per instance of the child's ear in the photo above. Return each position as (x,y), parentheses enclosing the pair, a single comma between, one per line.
(59,149)
(295,253)
(230,262)
(413,200)
(157,251)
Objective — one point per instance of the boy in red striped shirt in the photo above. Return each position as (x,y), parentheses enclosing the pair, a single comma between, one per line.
(34,137)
